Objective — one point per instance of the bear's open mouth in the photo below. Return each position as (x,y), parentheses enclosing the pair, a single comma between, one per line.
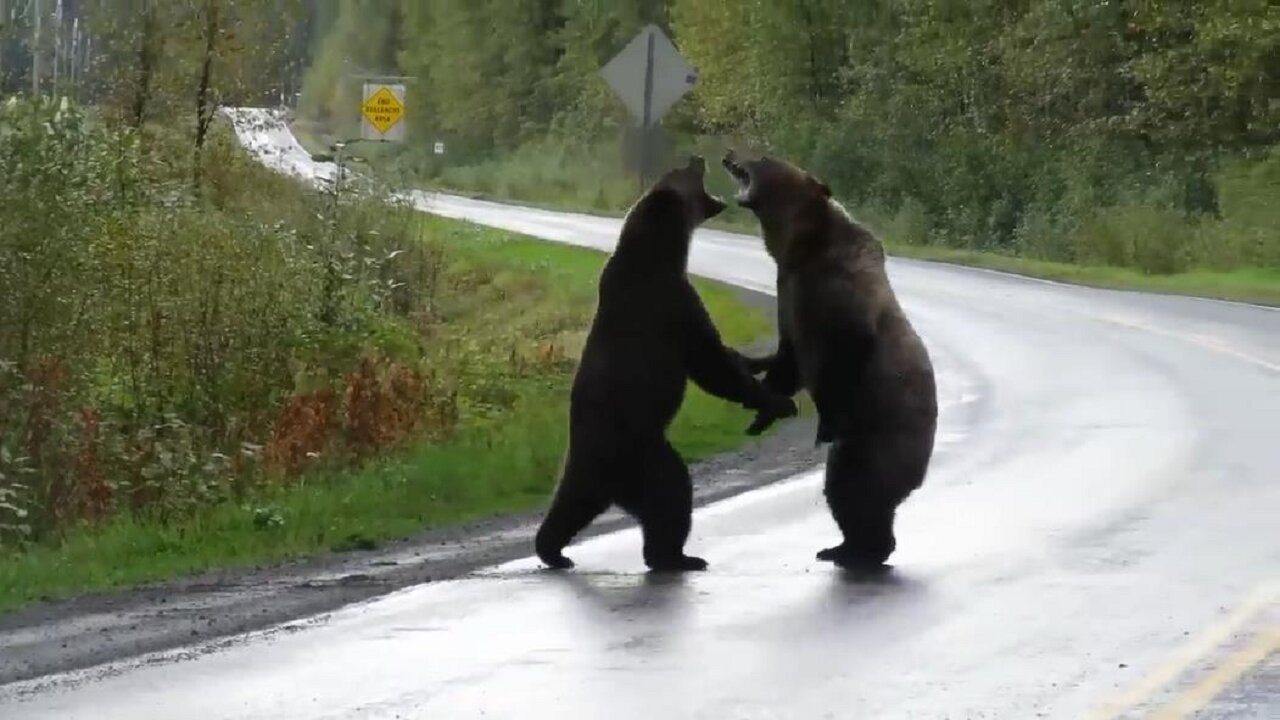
(739,174)
(736,171)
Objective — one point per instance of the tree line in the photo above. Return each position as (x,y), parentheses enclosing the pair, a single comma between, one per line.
(980,123)
(153,58)
(1052,128)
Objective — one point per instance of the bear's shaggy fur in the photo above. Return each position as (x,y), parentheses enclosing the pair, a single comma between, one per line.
(847,341)
(651,334)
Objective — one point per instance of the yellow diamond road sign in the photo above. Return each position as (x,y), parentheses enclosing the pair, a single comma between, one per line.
(383,111)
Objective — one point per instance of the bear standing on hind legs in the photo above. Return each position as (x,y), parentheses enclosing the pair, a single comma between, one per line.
(650,335)
(846,340)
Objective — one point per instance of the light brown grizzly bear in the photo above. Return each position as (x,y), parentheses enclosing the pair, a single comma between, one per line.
(846,340)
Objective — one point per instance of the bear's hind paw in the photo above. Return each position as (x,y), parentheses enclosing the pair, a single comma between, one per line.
(556,562)
(851,558)
(684,563)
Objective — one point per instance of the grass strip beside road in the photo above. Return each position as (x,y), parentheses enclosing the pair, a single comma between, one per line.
(1250,285)
(1259,286)
(503,459)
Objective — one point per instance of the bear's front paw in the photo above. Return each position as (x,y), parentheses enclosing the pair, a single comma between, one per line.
(755,366)
(780,406)
(761,423)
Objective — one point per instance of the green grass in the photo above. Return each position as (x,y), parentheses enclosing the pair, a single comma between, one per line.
(1253,285)
(500,461)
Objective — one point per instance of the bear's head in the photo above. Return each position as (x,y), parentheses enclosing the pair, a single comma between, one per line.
(784,198)
(687,183)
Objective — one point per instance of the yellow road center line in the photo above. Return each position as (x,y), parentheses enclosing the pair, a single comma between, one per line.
(1235,666)
(1212,637)
(1206,342)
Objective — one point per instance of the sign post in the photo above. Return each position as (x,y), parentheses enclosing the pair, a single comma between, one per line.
(649,76)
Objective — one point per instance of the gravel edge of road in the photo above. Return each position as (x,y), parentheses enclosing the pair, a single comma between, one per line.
(87,631)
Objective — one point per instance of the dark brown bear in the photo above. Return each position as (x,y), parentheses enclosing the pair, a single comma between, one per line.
(651,334)
(845,339)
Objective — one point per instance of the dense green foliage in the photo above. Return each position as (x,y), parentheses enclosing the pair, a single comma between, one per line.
(1134,134)
(153,332)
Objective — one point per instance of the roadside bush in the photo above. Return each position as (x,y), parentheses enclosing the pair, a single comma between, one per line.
(553,170)
(1146,237)
(156,337)
(1249,232)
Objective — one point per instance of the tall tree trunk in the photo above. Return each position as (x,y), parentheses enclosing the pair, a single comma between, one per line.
(205,104)
(146,65)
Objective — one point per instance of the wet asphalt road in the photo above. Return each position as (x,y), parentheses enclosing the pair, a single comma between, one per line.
(1097,537)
